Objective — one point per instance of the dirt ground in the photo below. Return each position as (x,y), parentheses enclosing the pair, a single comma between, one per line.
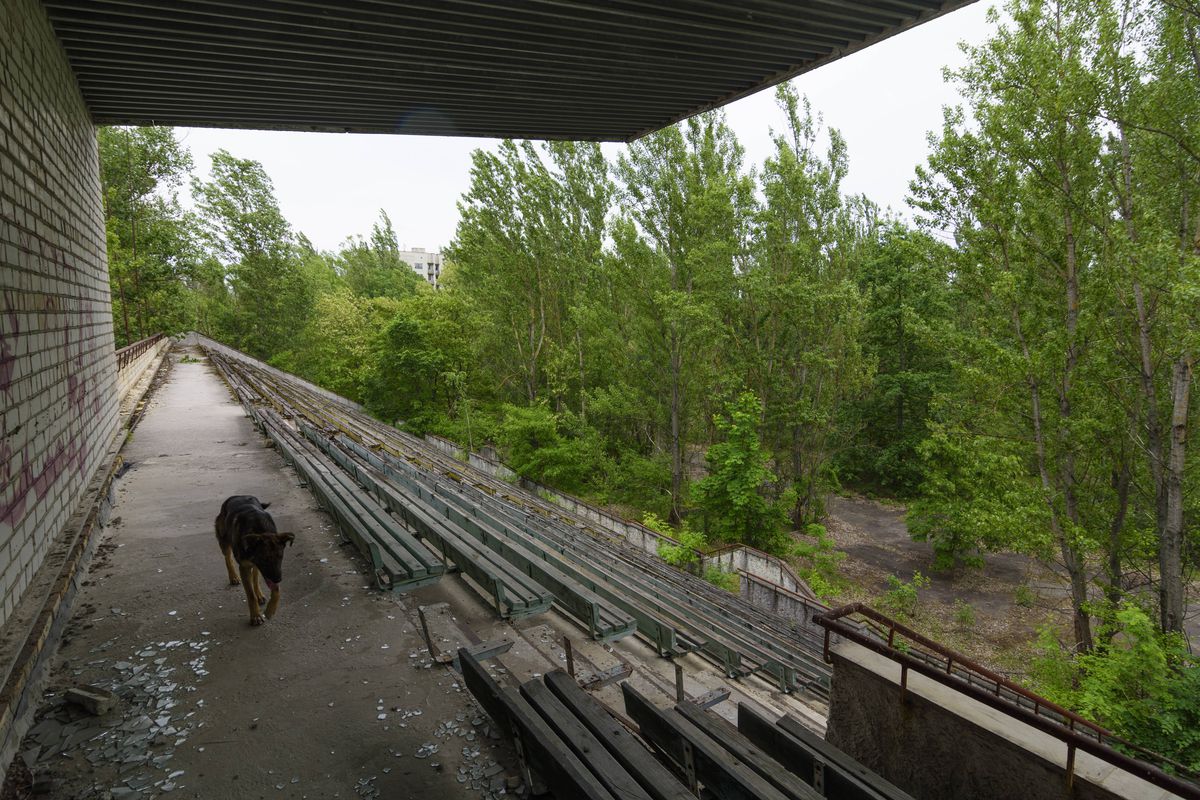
(877,544)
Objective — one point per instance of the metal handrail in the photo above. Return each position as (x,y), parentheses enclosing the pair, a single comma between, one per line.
(960,673)
(128,354)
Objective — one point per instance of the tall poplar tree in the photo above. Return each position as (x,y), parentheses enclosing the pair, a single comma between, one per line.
(151,254)
(685,190)
(802,306)
(1022,189)
(265,297)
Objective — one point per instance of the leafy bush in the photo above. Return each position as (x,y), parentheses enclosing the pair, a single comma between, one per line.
(1024,596)
(551,448)
(685,555)
(729,581)
(964,614)
(820,561)
(1140,683)
(977,497)
(682,555)
(732,496)
(901,597)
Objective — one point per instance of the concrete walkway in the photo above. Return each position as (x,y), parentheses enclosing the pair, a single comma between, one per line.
(333,698)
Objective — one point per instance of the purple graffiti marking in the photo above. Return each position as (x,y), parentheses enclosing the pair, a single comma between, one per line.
(28,483)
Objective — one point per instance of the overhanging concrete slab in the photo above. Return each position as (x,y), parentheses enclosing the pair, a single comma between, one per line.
(547,69)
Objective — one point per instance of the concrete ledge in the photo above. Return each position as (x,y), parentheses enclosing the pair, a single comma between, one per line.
(127,378)
(936,742)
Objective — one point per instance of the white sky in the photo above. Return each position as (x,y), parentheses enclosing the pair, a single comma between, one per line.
(883,99)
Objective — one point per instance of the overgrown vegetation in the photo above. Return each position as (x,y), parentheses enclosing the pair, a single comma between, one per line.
(818,559)
(901,598)
(1139,682)
(678,334)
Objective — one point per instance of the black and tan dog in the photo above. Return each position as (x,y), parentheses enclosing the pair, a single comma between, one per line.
(247,535)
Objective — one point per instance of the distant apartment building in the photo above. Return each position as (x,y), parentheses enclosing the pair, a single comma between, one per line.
(427,265)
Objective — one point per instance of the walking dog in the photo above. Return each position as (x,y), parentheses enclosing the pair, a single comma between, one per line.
(247,535)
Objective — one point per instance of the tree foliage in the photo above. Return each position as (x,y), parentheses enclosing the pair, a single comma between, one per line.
(151,252)
(733,496)
(1144,685)
(1072,373)
(261,296)
(803,305)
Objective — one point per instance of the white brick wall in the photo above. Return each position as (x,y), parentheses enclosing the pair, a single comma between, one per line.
(58,395)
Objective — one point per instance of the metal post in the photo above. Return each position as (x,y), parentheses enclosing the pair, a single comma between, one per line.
(689,766)
(570,656)
(679,695)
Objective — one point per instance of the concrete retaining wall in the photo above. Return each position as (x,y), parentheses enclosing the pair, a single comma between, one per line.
(935,742)
(128,377)
(58,390)
(775,598)
(761,565)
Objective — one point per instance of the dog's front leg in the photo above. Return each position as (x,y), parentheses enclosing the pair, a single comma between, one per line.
(273,603)
(256,617)
(257,586)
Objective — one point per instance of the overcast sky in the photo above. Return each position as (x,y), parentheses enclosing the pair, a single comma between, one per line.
(884,100)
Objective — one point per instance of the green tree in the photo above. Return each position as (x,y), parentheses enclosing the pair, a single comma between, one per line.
(733,496)
(1149,73)
(529,238)
(151,255)
(803,307)
(372,267)
(685,191)
(908,311)
(1020,187)
(252,256)
(335,346)
(551,448)
(976,498)
(424,365)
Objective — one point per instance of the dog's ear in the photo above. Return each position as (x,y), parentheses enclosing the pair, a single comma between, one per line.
(265,505)
(287,538)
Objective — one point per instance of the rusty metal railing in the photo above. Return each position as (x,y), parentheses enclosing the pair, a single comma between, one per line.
(128,354)
(920,654)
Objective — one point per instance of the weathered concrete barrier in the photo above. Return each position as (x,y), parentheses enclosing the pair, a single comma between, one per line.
(772,597)
(764,566)
(134,360)
(936,742)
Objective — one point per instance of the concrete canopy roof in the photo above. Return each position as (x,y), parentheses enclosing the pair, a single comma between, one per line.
(546,69)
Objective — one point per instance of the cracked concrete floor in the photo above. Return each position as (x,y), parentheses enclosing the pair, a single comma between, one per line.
(333,698)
